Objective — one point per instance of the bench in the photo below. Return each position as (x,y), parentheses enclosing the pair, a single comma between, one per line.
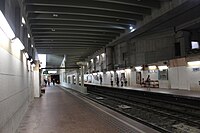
(151,84)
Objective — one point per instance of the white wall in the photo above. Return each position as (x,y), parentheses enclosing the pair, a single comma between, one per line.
(133,78)
(178,78)
(16,87)
(193,79)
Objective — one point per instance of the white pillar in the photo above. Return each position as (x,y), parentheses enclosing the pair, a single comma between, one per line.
(36,80)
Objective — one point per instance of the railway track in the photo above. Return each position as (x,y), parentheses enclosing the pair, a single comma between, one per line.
(164,116)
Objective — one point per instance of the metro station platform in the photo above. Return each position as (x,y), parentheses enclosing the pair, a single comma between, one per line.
(65,111)
(177,92)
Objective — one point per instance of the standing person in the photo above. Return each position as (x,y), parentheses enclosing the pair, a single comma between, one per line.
(122,82)
(100,78)
(111,80)
(142,83)
(148,82)
(48,82)
(125,81)
(117,80)
(45,82)
(53,81)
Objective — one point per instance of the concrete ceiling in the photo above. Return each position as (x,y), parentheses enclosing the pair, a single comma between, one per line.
(78,29)
(54,60)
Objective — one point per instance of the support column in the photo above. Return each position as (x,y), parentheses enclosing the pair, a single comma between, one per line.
(36,80)
(77,77)
(82,76)
(82,65)
(65,62)
(109,58)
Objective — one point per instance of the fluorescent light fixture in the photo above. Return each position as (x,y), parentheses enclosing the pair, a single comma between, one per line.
(23,20)
(107,72)
(162,68)
(194,63)
(118,71)
(122,71)
(29,36)
(4,25)
(94,74)
(52,72)
(55,15)
(17,43)
(112,72)
(91,60)
(26,55)
(133,30)
(31,45)
(195,45)
(138,68)
(152,67)
(100,73)
(128,70)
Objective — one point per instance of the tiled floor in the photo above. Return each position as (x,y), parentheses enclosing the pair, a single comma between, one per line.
(58,111)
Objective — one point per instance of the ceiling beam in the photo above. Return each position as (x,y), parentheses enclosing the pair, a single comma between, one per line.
(76,23)
(74,33)
(73,37)
(68,47)
(82,52)
(75,28)
(142,3)
(50,16)
(74,43)
(80,11)
(88,4)
(70,41)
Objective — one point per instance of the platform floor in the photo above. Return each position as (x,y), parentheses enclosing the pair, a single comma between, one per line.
(187,93)
(59,111)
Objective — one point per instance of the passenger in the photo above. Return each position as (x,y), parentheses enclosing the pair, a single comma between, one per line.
(53,81)
(100,78)
(148,81)
(45,82)
(111,81)
(122,81)
(117,80)
(142,83)
(48,82)
(125,81)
